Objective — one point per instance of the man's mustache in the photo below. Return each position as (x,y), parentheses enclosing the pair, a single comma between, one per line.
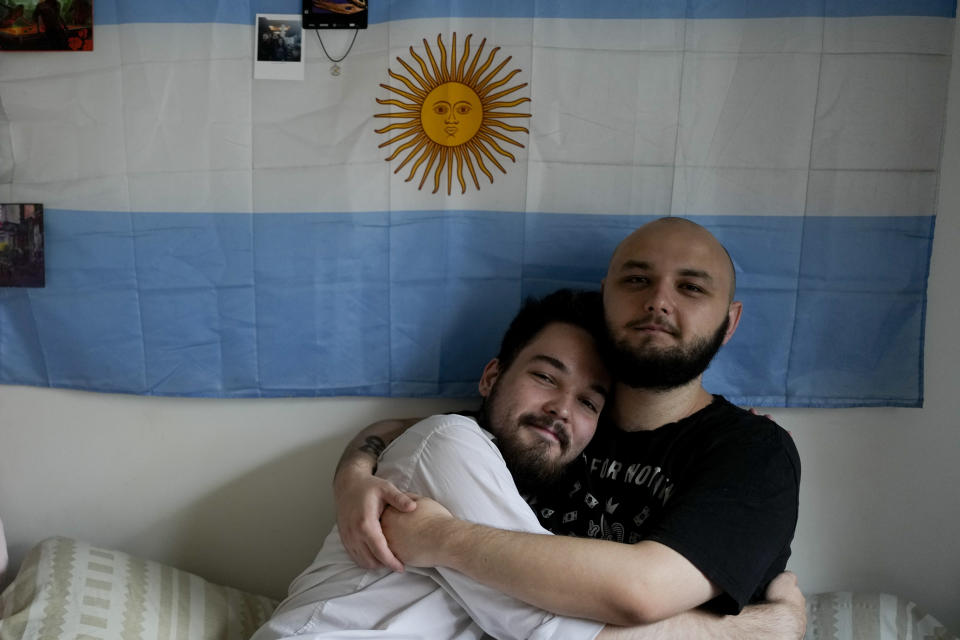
(655,321)
(550,423)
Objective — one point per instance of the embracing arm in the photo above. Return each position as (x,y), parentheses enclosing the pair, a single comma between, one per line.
(579,588)
(361,497)
(644,582)
(597,579)
(782,617)
(364,449)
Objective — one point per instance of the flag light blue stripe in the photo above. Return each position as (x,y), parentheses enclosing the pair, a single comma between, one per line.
(714,9)
(854,8)
(174,11)
(414,303)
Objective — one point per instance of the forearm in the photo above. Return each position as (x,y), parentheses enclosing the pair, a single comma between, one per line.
(600,580)
(361,497)
(766,621)
(362,452)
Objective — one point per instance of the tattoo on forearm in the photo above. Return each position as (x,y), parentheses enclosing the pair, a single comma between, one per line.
(373,445)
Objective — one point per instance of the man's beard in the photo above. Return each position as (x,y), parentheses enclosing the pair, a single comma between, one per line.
(664,369)
(532,467)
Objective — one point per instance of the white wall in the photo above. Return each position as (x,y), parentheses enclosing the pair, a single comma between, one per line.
(237,491)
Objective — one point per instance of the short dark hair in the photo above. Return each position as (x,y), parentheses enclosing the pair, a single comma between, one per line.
(583,309)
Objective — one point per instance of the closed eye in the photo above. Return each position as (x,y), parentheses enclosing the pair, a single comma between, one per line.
(543,377)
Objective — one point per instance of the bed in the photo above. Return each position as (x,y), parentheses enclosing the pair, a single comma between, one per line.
(70,589)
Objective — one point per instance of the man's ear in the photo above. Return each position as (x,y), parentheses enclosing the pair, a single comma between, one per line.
(490,374)
(733,314)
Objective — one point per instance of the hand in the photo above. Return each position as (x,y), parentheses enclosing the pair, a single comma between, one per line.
(785,590)
(361,498)
(415,534)
(757,413)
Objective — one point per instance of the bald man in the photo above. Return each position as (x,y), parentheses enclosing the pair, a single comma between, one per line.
(706,494)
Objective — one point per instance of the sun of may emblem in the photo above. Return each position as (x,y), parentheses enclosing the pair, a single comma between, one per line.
(453,116)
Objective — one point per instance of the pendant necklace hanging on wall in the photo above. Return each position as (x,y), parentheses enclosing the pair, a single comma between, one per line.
(335,68)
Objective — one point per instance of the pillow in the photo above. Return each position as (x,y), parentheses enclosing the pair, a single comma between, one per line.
(68,589)
(4,559)
(843,615)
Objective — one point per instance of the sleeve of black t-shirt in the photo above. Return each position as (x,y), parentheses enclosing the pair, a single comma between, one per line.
(735,518)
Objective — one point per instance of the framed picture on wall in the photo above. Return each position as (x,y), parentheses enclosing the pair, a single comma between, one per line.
(278,50)
(21,245)
(334,14)
(46,25)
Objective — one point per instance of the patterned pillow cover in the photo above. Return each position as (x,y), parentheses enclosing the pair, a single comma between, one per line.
(842,615)
(69,589)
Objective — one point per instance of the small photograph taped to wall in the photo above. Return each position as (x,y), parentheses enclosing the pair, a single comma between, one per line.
(279,47)
(21,245)
(334,14)
(46,25)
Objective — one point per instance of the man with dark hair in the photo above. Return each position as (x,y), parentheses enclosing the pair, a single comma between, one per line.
(706,493)
(532,462)
(541,406)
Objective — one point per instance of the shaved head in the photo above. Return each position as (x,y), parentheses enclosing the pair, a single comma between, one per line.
(678,227)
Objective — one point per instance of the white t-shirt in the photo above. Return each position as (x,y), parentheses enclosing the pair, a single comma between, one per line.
(451,459)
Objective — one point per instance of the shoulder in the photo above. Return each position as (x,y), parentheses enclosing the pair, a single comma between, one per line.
(447,425)
(440,445)
(733,421)
(436,427)
(446,435)
(746,439)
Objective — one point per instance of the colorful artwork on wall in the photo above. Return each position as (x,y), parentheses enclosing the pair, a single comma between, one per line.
(46,25)
(334,14)
(21,245)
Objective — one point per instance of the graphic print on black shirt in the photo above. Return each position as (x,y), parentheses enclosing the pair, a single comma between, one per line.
(720,488)
(586,515)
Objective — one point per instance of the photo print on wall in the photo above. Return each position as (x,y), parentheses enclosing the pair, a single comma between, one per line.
(278,51)
(21,245)
(46,25)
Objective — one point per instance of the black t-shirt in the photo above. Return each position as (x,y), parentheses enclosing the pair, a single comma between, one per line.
(720,487)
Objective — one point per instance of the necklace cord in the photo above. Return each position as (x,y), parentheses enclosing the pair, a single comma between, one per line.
(341,58)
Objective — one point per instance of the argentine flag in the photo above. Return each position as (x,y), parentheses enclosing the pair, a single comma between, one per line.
(209,234)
